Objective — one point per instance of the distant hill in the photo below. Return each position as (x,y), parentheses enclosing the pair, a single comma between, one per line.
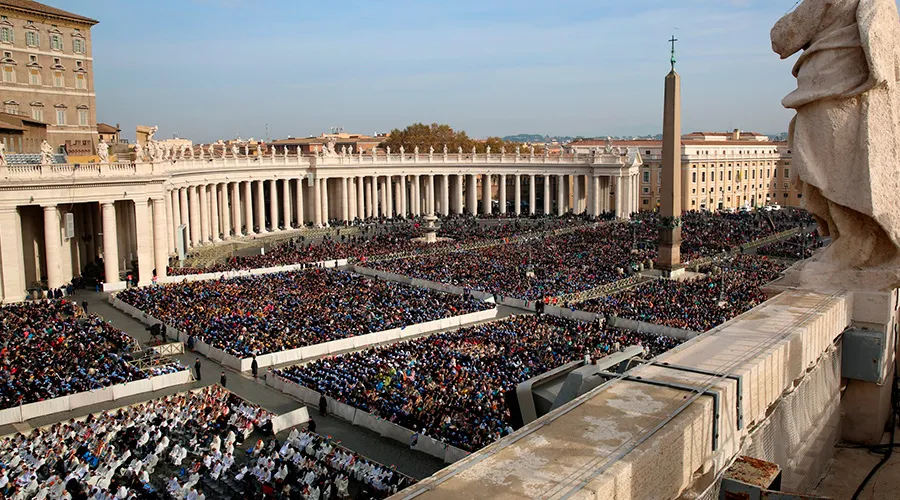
(537,138)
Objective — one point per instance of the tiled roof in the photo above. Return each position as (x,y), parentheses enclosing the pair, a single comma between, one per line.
(30,6)
(104,128)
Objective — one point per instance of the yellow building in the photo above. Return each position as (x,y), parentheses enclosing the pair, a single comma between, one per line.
(720,170)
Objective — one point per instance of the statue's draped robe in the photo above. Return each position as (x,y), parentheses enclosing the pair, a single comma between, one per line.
(845,137)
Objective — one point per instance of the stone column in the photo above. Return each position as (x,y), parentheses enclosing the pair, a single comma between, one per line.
(389,195)
(185,219)
(620,188)
(248,207)
(532,195)
(214,212)
(445,194)
(317,202)
(236,208)
(326,212)
(176,216)
(170,220)
(473,194)
(273,204)
(560,194)
(429,194)
(486,195)
(502,194)
(288,213)
(195,216)
(12,256)
(546,195)
(345,199)
(204,213)
(404,197)
(576,194)
(370,191)
(110,241)
(226,210)
(361,197)
(595,182)
(414,197)
(301,219)
(382,196)
(517,195)
(460,205)
(144,241)
(261,207)
(159,229)
(52,244)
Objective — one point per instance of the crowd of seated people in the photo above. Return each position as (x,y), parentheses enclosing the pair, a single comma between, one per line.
(798,247)
(588,257)
(51,349)
(309,466)
(280,311)
(451,386)
(731,288)
(371,241)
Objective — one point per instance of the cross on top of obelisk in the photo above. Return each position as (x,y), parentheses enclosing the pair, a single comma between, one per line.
(673,40)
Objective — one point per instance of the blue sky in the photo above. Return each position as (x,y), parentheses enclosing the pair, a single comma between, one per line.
(207,69)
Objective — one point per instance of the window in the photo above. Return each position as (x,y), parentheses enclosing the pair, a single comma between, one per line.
(78,65)
(721,176)
(753,173)
(787,186)
(6,34)
(9,74)
(32,38)
(78,45)
(56,61)
(702,176)
(56,42)
(83,117)
(645,190)
(787,173)
(729,175)
(32,59)
(59,80)
(37,114)
(34,77)
(646,202)
(11,107)
(79,82)
(60,116)
(646,177)
(693,176)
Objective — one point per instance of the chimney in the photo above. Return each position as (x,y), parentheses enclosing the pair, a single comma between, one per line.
(736,135)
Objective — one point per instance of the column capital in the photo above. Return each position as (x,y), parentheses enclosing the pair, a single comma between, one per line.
(50,206)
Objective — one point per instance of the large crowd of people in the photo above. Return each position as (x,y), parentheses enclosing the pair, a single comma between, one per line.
(50,349)
(381,239)
(280,311)
(699,304)
(185,446)
(451,386)
(554,265)
(798,247)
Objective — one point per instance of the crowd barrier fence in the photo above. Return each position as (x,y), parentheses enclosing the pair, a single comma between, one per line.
(29,411)
(384,428)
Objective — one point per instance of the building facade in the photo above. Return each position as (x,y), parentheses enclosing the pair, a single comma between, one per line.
(46,72)
(719,170)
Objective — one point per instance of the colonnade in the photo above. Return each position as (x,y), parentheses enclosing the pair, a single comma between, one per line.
(48,243)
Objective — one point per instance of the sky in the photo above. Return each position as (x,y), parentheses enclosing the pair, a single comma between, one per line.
(209,69)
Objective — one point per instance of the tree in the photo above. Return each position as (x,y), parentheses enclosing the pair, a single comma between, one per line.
(436,136)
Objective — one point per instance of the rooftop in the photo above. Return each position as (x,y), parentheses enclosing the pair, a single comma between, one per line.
(30,7)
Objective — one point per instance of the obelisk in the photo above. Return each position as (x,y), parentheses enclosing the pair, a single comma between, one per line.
(669,261)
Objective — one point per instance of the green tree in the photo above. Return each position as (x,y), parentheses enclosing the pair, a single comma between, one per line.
(437,135)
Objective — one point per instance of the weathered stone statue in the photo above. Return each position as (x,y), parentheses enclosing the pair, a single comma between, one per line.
(103,151)
(46,153)
(845,137)
(445,150)
(531,150)
(487,150)
(235,151)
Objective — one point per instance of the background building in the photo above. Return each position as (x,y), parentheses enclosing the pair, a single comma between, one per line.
(46,73)
(720,170)
(313,144)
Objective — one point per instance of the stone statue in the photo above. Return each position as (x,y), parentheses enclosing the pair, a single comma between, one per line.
(212,150)
(430,150)
(459,150)
(416,151)
(163,151)
(299,153)
(183,149)
(246,150)
(350,150)
(201,151)
(502,150)
(845,137)
(487,150)
(151,133)
(103,151)
(445,149)
(473,150)
(224,150)
(402,150)
(531,150)
(263,151)
(2,154)
(138,152)
(518,151)
(546,152)
(46,153)
(235,151)
(608,149)
(388,151)
(190,151)
(343,150)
